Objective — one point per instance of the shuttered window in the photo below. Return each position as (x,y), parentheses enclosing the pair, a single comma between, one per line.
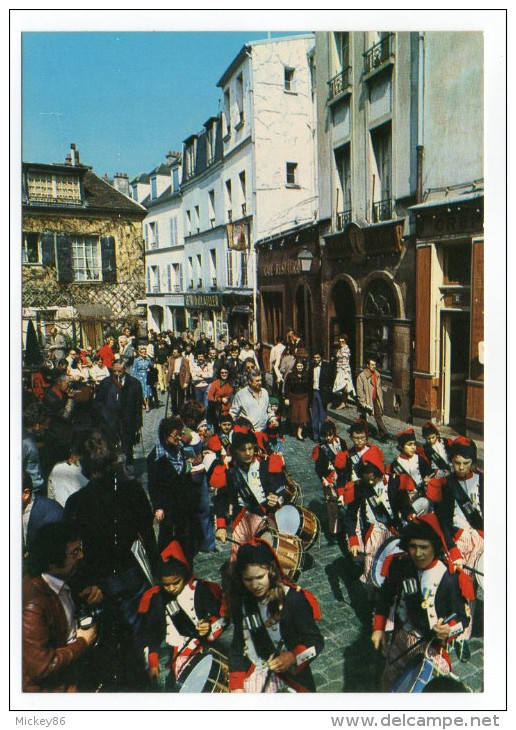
(86,259)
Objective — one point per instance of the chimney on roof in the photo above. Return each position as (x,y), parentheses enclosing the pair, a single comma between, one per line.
(172,157)
(74,155)
(121,183)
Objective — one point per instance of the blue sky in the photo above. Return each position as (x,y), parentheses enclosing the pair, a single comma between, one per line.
(125,98)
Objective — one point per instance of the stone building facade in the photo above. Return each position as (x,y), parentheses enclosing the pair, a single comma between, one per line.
(82,253)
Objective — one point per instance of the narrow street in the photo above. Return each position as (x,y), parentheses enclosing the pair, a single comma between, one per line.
(348,662)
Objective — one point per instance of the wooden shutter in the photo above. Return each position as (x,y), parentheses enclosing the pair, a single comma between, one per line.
(48,249)
(64,259)
(107,252)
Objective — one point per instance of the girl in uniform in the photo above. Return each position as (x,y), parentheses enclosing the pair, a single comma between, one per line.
(275,631)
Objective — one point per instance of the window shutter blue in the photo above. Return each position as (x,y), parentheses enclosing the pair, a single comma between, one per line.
(64,259)
(107,247)
(48,249)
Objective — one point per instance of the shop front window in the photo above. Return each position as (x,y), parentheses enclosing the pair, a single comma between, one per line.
(379,313)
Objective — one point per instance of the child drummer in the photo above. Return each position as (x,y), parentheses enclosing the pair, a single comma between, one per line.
(329,455)
(371,515)
(410,473)
(430,600)
(458,501)
(436,450)
(183,612)
(254,488)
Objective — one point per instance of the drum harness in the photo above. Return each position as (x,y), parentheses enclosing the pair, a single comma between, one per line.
(414,494)
(470,510)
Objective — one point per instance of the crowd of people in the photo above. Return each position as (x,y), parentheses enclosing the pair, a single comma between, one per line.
(111,601)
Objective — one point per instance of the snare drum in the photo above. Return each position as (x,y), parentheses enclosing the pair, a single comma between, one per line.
(288,548)
(389,547)
(479,565)
(292,489)
(205,672)
(416,676)
(295,520)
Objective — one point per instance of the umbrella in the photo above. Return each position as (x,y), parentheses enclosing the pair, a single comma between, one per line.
(32,348)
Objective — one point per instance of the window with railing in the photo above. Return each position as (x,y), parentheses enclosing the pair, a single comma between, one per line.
(342,219)
(339,83)
(382,173)
(153,235)
(382,210)
(343,165)
(379,53)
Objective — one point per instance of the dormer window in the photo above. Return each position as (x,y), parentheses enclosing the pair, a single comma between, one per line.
(210,143)
(190,158)
(53,188)
(154,188)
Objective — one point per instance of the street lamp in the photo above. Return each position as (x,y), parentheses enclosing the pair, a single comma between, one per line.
(305,258)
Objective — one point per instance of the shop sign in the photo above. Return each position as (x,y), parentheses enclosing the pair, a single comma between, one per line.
(202,301)
(238,235)
(285,267)
(444,221)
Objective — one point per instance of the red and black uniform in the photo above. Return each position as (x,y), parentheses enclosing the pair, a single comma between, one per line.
(371,514)
(330,458)
(256,637)
(173,620)
(407,476)
(244,490)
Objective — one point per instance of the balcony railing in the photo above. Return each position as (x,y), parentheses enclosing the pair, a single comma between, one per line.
(343,218)
(339,83)
(375,56)
(382,211)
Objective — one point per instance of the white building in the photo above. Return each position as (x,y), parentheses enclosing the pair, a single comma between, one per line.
(247,175)
(164,245)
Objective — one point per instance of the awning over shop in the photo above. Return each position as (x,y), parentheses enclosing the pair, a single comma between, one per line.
(93,311)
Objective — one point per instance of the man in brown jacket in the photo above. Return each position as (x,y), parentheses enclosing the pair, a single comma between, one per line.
(52,642)
(370,397)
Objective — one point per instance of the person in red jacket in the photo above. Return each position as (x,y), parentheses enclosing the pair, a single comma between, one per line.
(107,353)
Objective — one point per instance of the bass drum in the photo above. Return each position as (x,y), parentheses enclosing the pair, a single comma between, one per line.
(299,521)
(288,548)
(379,568)
(207,672)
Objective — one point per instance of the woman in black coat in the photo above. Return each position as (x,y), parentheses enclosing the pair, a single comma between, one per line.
(170,488)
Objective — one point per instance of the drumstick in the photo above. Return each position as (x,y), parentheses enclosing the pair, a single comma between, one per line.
(269,672)
(473,570)
(420,641)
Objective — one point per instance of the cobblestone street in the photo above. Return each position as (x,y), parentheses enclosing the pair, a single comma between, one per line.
(348,662)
